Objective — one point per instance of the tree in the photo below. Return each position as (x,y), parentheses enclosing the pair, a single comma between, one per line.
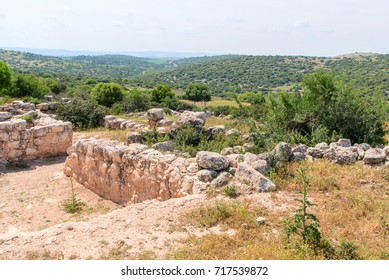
(197,92)
(161,92)
(82,113)
(5,76)
(28,85)
(327,110)
(107,94)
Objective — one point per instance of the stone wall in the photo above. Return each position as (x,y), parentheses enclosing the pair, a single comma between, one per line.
(128,174)
(42,137)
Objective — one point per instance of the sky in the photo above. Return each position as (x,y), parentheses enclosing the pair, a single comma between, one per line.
(258,27)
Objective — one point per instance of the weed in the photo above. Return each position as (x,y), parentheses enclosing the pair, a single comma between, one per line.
(29,117)
(305,225)
(230,191)
(73,205)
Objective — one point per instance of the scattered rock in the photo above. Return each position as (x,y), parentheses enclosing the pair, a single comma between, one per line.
(196,119)
(211,160)
(227,151)
(234,159)
(261,220)
(134,137)
(221,180)
(164,146)
(206,175)
(155,114)
(232,132)
(314,152)
(282,152)
(374,156)
(253,178)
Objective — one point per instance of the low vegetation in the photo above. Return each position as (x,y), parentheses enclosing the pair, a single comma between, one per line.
(349,216)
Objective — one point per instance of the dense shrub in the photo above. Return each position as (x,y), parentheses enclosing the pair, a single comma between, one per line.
(28,86)
(191,140)
(107,94)
(135,101)
(328,109)
(82,113)
(161,92)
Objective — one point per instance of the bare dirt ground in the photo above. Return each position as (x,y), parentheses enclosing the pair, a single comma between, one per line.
(33,223)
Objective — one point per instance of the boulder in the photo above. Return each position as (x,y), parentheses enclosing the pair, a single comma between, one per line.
(133,137)
(5,116)
(314,152)
(322,146)
(227,151)
(214,130)
(301,148)
(234,159)
(232,132)
(211,160)
(374,156)
(221,180)
(345,155)
(298,156)
(250,158)
(155,114)
(164,146)
(206,175)
(196,119)
(261,166)
(282,152)
(164,123)
(344,143)
(253,178)
(193,167)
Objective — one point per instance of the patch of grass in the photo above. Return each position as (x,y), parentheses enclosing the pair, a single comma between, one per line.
(230,191)
(44,255)
(230,214)
(146,255)
(119,252)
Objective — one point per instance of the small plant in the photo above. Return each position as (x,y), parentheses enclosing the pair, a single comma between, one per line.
(30,117)
(230,191)
(305,225)
(73,205)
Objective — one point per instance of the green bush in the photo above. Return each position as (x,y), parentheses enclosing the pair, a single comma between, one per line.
(28,86)
(83,114)
(107,94)
(161,92)
(328,109)
(135,101)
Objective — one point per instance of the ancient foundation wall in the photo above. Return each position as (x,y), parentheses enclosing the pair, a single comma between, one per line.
(128,174)
(20,140)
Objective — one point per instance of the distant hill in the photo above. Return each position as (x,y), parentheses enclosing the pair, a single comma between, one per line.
(224,73)
(236,73)
(369,72)
(107,66)
(145,54)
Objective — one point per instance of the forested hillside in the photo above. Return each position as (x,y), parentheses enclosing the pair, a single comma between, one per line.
(224,73)
(237,74)
(105,66)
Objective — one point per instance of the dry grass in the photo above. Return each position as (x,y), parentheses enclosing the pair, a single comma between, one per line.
(352,205)
(213,121)
(216,101)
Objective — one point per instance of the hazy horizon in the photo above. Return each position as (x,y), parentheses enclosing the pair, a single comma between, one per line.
(278,27)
